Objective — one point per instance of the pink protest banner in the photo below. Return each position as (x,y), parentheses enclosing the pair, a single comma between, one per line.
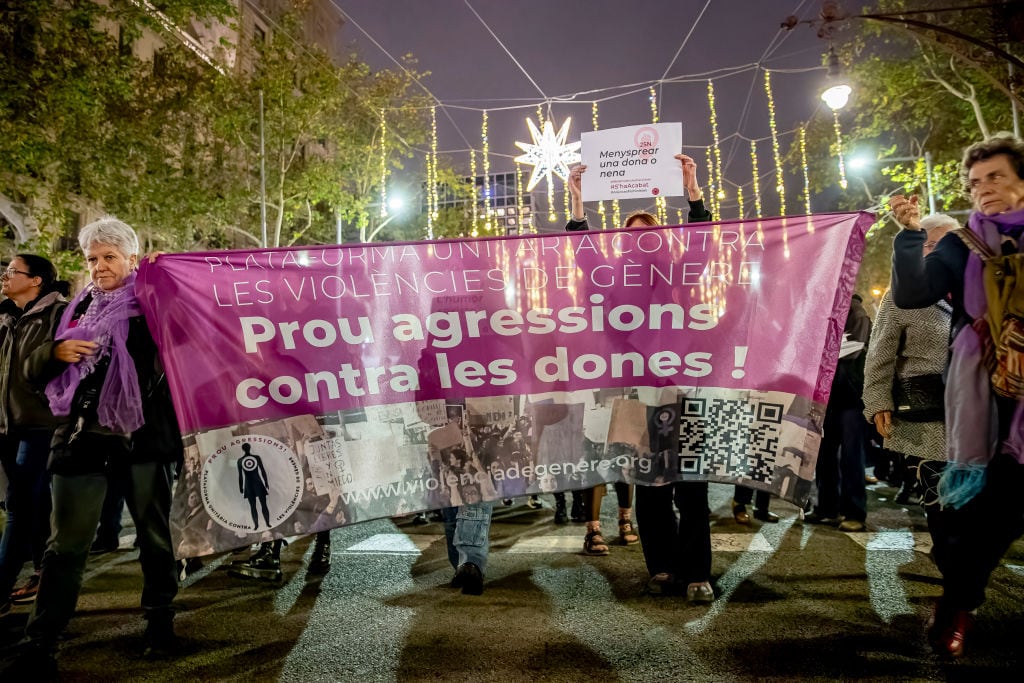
(317,387)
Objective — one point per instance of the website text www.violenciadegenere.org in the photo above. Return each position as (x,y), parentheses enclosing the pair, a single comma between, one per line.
(397,489)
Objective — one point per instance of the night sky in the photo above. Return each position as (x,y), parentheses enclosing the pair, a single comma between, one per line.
(576,51)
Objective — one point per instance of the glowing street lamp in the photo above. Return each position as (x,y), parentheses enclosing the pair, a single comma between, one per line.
(838,93)
(861,162)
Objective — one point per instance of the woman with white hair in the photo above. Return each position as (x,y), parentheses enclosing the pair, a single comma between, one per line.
(909,349)
(117,430)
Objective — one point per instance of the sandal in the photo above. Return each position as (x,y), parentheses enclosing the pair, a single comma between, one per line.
(627,532)
(594,544)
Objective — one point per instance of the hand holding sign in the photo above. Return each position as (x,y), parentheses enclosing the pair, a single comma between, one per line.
(633,162)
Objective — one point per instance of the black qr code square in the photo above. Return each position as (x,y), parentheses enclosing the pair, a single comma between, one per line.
(730,437)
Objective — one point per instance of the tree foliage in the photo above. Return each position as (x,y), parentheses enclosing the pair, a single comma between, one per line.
(914,91)
(171,145)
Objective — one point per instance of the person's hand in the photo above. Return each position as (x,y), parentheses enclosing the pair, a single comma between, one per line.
(906,211)
(74,350)
(690,177)
(152,256)
(883,423)
(576,180)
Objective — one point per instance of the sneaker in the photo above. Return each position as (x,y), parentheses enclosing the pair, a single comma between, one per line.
(26,594)
(852,525)
(818,518)
(700,592)
(263,565)
(534,503)
(419,519)
(507,502)
(470,579)
(661,584)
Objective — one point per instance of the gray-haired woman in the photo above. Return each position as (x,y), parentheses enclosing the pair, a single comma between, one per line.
(117,430)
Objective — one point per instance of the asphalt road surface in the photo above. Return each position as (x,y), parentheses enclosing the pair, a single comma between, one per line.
(795,602)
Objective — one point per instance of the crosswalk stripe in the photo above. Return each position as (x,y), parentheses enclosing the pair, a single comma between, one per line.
(754,542)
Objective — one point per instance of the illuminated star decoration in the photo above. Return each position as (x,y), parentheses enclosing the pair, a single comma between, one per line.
(548,154)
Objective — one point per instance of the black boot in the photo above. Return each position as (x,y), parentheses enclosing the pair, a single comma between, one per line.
(577,514)
(320,562)
(561,516)
(265,564)
(160,638)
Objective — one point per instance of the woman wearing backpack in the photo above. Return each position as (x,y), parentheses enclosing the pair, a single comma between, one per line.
(984,473)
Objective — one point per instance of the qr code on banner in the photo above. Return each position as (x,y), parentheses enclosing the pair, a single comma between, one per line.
(725,437)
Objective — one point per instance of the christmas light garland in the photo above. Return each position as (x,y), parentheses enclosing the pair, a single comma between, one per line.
(780,185)
(488,210)
(383,167)
(803,164)
(757,178)
(839,149)
(720,192)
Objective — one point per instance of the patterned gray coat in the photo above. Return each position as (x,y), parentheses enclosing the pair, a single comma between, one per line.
(906,343)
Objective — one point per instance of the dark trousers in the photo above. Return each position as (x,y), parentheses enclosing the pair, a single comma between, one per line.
(977,535)
(28,504)
(77,505)
(743,495)
(110,517)
(840,468)
(681,545)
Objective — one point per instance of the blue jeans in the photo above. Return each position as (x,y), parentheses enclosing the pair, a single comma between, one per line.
(467,531)
(77,505)
(28,505)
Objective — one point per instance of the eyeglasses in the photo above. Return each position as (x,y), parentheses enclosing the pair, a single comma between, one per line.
(11,272)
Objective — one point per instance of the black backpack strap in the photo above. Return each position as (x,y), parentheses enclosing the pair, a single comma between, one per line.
(974,243)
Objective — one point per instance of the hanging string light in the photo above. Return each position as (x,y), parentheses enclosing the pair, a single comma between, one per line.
(739,200)
(616,217)
(780,186)
(803,165)
(712,186)
(653,97)
(383,167)
(519,198)
(432,199)
(565,202)
(660,206)
(839,149)
(757,178)
(600,205)
(488,211)
(472,180)
(679,216)
(720,194)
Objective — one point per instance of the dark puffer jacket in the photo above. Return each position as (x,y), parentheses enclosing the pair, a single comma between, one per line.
(22,402)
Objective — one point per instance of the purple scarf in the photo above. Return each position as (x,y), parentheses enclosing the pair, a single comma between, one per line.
(970,402)
(105,322)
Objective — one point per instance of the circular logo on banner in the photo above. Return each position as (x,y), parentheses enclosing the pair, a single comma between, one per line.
(655,192)
(646,137)
(251,483)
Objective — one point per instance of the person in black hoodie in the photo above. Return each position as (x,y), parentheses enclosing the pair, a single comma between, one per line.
(117,428)
(842,496)
(28,319)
